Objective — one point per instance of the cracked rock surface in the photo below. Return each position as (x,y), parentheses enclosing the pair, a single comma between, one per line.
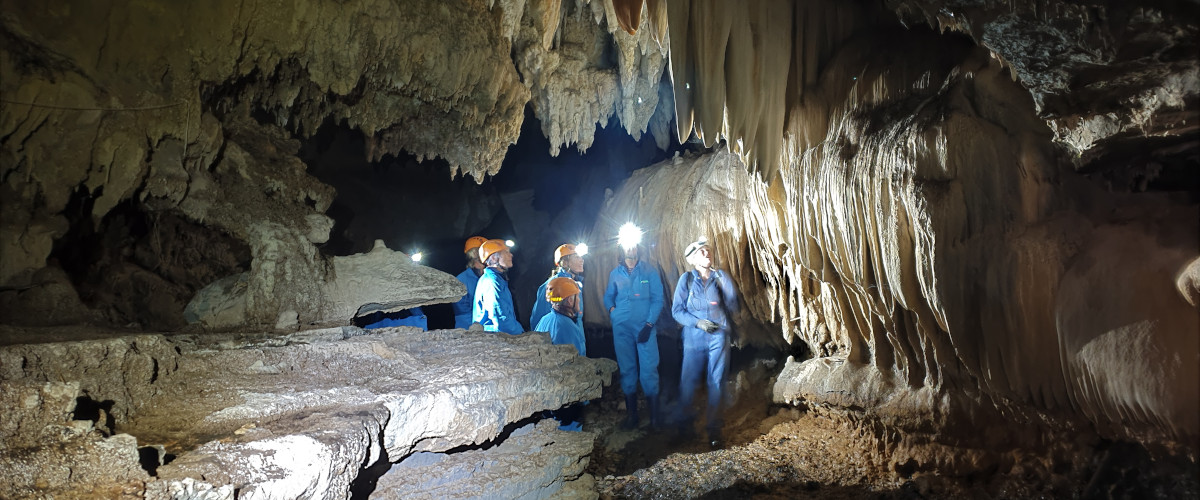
(269,416)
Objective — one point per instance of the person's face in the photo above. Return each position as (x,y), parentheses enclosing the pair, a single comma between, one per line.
(631,257)
(506,259)
(702,258)
(575,263)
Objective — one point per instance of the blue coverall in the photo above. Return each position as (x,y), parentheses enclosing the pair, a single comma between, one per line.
(541,306)
(494,305)
(463,309)
(638,299)
(564,330)
(713,299)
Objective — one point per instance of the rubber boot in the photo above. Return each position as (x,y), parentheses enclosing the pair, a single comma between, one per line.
(656,422)
(714,438)
(631,415)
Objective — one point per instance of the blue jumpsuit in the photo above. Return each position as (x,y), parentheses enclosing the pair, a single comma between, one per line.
(695,299)
(564,330)
(463,308)
(541,306)
(638,298)
(494,306)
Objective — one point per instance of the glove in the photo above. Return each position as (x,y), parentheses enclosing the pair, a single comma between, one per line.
(707,326)
(644,333)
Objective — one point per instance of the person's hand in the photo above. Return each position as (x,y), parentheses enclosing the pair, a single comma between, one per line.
(707,325)
(644,333)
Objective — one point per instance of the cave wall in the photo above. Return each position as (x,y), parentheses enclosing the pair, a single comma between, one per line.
(196,111)
(960,212)
(940,254)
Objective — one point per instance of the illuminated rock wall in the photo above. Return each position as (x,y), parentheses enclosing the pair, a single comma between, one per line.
(943,259)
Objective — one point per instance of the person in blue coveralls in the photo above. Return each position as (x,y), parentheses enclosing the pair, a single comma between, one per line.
(568,260)
(470,276)
(704,300)
(562,293)
(634,299)
(493,307)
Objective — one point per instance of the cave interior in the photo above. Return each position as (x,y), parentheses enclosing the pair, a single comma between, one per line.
(964,235)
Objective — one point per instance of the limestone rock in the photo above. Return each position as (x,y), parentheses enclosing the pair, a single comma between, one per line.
(45,453)
(932,239)
(533,461)
(385,280)
(271,416)
(219,305)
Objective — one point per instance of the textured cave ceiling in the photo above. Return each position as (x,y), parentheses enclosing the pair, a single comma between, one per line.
(995,199)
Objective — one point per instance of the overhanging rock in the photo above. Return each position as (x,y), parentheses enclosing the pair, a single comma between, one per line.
(266,416)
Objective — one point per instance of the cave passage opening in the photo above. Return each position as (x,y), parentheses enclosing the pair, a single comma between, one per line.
(414,205)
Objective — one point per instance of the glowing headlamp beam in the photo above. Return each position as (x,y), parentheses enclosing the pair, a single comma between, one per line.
(629,235)
(581,249)
(417,256)
(510,243)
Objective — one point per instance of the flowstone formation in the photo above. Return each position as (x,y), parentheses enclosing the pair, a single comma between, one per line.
(296,416)
(946,265)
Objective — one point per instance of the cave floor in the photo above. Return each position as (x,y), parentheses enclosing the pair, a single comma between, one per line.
(774,452)
(768,452)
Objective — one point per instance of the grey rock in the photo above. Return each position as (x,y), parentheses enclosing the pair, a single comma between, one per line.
(271,416)
(533,462)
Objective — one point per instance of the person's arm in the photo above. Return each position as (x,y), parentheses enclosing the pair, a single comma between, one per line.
(485,298)
(679,309)
(610,294)
(728,293)
(656,297)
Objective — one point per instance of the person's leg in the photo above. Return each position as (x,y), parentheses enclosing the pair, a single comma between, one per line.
(648,375)
(625,348)
(691,369)
(718,360)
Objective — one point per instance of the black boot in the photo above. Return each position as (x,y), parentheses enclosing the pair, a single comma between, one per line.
(656,422)
(714,438)
(631,415)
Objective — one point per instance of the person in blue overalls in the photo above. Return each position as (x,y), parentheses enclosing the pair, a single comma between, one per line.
(469,277)
(569,264)
(704,300)
(634,299)
(493,307)
(562,293)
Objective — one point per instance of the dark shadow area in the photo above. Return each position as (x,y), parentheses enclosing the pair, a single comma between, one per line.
(138,268)
(152,457)
(99,412)
(809,489)
(363,485)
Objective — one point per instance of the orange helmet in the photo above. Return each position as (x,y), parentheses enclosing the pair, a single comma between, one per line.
(561,288)
(473,243)
(490,247)
(562,251)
